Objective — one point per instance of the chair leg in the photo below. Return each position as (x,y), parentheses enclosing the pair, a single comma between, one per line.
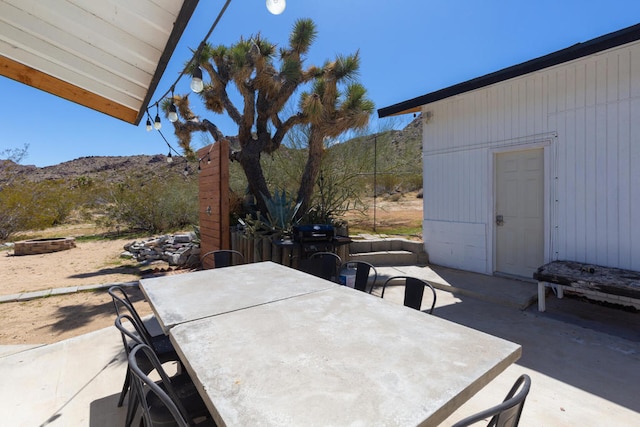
(125,388)
(132,407)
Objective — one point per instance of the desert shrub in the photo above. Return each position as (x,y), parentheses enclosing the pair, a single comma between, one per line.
(26,205)
(395,197)
(413,182)
(154,205)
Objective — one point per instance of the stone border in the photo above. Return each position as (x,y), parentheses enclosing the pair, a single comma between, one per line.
(43,246)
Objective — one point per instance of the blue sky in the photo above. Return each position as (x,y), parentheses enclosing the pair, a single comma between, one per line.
(407,48)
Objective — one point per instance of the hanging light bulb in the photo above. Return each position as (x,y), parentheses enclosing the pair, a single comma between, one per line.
(196,80)
(169,158)
(173,114)
(156,123)
(149,127)
(276,6)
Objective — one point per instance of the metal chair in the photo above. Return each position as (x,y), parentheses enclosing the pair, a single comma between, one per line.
(413,291)
(365,272)
(174,401)
(506,414)
(325,265)
(131,339)
(222,258)
(159,342)
(121,299)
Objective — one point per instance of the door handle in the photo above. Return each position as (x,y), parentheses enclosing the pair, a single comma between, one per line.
(499,220)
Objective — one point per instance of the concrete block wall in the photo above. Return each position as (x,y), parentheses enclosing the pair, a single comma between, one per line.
(388,251)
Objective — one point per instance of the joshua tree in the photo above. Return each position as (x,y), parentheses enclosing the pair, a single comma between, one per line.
(265,86)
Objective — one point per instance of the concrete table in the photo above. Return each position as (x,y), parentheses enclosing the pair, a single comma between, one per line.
(337,357)
(190,296)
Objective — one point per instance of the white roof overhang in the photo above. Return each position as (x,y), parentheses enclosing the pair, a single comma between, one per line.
(108,55)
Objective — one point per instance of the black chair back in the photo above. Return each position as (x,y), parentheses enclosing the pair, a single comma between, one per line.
(166,394)
(413,291)
(506,414)
(365,272)
(123,305)
(222,258)
(322,264)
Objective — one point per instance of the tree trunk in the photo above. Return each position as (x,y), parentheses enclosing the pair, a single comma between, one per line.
(311,170)
(250,162)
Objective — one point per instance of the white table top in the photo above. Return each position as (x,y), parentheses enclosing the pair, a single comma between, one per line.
(184,297)
(337,357)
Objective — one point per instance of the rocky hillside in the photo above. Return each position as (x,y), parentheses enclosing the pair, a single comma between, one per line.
(117,168)
(105,168)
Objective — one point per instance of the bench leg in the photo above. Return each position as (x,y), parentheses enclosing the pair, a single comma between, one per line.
(541,296)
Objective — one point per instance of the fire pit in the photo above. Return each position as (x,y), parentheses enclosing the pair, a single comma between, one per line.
(43,246)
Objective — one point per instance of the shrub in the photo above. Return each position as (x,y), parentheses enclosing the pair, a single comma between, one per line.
(155,205)
(25,205)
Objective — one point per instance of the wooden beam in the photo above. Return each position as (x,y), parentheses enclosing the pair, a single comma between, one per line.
(35,78)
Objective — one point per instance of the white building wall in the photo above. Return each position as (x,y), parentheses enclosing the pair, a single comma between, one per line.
(586,114)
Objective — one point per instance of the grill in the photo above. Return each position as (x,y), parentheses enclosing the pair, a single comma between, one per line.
(314,238)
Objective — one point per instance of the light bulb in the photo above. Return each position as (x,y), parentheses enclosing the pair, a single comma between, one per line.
(276,6)
(149,127)
(196,80)
(169,158)
(173,115)
(156,123)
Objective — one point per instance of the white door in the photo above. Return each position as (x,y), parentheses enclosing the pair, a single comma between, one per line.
(519,214)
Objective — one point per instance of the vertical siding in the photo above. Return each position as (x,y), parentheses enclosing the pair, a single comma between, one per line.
(593,105)
(213,195)
(593,119)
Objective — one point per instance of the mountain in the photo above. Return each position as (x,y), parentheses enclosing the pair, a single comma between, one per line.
(105,168)
(117,168)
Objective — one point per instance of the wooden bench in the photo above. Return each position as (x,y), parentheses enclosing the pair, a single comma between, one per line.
(624,285)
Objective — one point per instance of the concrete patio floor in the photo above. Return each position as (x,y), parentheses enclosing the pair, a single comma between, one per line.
(583,360)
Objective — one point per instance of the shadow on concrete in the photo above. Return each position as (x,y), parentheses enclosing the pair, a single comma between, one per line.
(591,347)
(105,412)
(74,316)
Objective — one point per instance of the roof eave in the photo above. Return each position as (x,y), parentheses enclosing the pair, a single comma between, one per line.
(579,50)
(181,23)
(39,79)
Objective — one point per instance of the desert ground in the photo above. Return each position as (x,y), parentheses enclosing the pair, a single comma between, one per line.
(54,318)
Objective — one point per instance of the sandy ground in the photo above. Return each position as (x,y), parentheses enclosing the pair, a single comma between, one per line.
(54,318)
(88,263)
(51,319)
(405,212)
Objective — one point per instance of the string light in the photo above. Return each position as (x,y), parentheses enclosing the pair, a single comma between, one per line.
(276,6)
(197,53)
(156,123)
(196,80)
(173,114)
